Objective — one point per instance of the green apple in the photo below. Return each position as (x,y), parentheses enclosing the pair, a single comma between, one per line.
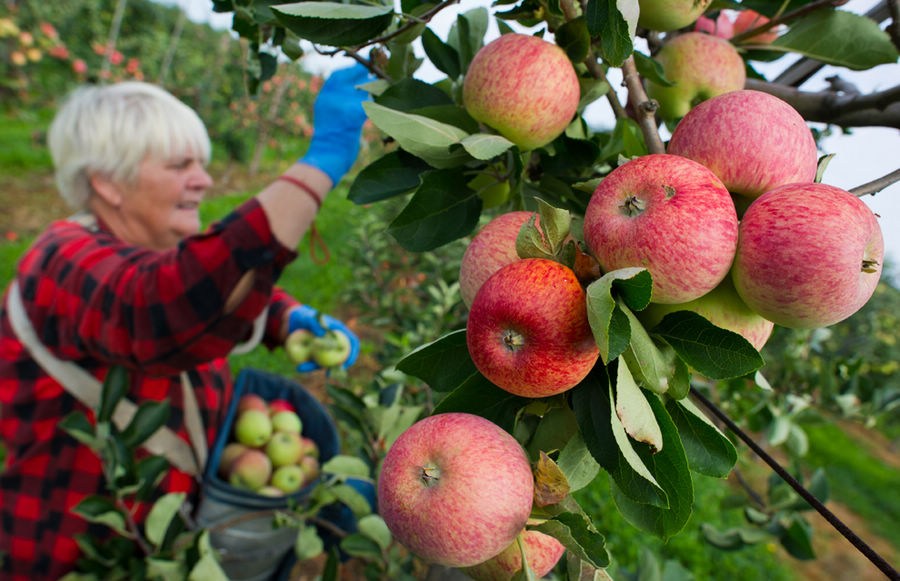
(492,190)
(251,470)
(288,478)
(668,15)
(253,428)
(298,345)
(284,448)
(331,349)
(269,490)
(287,421)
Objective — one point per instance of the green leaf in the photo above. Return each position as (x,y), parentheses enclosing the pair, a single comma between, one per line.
(608,322)
(115,387)
(357,545)
(419,135)
(442,55)
(346,466)
(732,539)
(613,22)
(374,527)
(797,539)
(161,516)
(485,146)
(712,351)
(481,397)
(708,450)
(149,471)
(634,410)
(468,34)
(308,544)
(577,464)
(651,70)
(352,499)
(574,38)
(79,427)
(841,38)
(444,364)
(150,417)
(442,210)
(334,23)
(592,403)
(101,510)
(644,358)
(409,94)
(670,468)
(394,174)
(578,535)
(626,141)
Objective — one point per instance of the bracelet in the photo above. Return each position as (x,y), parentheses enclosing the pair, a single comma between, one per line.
(303,186)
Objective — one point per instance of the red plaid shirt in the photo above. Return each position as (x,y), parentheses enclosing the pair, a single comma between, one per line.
(98,302)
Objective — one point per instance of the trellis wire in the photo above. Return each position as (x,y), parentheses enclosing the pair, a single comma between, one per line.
(814,502)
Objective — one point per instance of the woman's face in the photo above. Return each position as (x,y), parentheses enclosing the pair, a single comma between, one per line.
(161,207)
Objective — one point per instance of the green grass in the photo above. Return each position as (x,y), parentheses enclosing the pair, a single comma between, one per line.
(22,142)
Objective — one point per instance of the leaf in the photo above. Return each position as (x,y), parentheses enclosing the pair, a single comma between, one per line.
(79,427)
(644,358)
(394,174)
(608,322)
(838,37)
(374,527)
(613,22)
(481,397)
(670,468)
(714,352)
(485,146)
(101,510)
(346,466)
(732,539)
(708,450)
(308,544)
(550,485)
(161,516)
(797,539)
(442,55)
(651,70)
(576,533)
(419,135)
(409,95)
(442,210)
(577,464)
(115,386)
(149,417)
(357,545)
(444,364)
(634,411)
(352,499)
(334,23)
(149,471)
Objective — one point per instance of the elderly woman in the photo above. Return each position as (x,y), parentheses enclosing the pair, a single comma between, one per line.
(130,281)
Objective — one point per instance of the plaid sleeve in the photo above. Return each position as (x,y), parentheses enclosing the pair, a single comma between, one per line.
(281,303)
(91,295)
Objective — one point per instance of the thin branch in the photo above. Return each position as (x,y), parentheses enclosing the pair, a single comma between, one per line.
(644,107)
(785,18)
(894,28)
(876,185)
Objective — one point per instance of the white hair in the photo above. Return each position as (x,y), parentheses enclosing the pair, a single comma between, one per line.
(109,130)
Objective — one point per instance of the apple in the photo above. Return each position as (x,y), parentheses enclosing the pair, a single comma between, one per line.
(524,87)
(284,448)
(753,141)
(667,214)
(750,19)
(492,247)
(311,468)
(528,331)
(721,26)
(701,66)
(287,421)
(269,490)
(298,345)
(253,428)
(541,550)
(492,189)
(310,448)
(668,15)
(809,255)
(251,401)
(288,478)
(251,470)
(331,349)
(722,307)
(230,453)
(281,405)
(455,489)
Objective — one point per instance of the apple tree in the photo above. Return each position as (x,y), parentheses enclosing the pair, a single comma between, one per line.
(456,156)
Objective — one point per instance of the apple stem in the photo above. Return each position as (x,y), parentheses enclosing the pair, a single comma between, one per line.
(870,266)
(513,340)
(430,475)
(632,206)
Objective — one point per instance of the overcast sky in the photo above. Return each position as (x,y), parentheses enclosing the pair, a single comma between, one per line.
(865,155)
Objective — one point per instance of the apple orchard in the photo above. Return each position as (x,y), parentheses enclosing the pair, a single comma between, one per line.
(614,278)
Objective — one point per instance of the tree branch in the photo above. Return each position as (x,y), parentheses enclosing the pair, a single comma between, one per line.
(785,18)
(879,109)
(644,108)
(893,28)
(876,185)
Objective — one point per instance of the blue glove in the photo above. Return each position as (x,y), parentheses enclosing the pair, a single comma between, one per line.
(306,317)
(338,118)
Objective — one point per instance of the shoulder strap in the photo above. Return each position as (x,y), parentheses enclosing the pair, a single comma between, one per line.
(86,388)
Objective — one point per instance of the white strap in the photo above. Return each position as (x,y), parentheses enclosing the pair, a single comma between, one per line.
(192,420)
(86,388)
(259,327)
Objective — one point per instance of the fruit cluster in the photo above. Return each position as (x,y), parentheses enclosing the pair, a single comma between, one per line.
(268,454)
(329,350)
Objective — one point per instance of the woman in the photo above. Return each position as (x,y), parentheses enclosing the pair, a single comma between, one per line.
(130,281)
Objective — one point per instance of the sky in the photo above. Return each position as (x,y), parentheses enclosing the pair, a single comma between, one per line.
(866,154)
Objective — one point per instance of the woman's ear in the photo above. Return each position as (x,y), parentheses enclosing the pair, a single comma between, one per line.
(106,189)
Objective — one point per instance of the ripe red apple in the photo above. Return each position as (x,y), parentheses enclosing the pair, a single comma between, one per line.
(492,247)
(310,448)
(251,401)
(667,15)
(280,405)
(311,468)
(331,349)
(722,307)
(230,453)
(288,478)
(528,330)
(542,552)
(809,255)
(667,214)
(284,448)
(253,428)
(524,87)
(721,26)
(749,19)
(455,489)
(287,421)
(298,345)
(701,66)
(251,470)
(753,141)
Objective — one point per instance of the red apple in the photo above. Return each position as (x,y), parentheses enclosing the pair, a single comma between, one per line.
(667,15)
(701,66)
(311,468)
(750,19)
(253,428)
(492,247)
(809,255)
(542,552)
(528,331)
(230,453)
(721,26)
(753,141)
(667,214)
(455,489)
(251,470)
(524,87)
(281,405)
(251,401)
(284,448)
(722,307)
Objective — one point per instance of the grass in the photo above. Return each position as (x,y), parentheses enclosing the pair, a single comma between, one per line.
(22,143)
